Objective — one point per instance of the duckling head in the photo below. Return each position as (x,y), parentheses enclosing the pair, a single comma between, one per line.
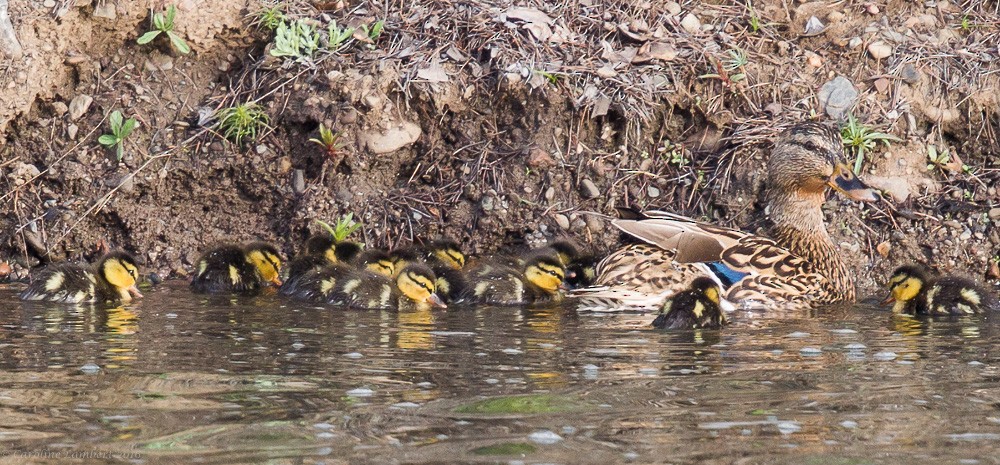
(377,261)
(321,244)
(808,159)
(120,270)
(417,282)
(266,260)
(448,252)
(402,257)
(346,251)
(707,287)
(904,285)
(565,250)
(545,271)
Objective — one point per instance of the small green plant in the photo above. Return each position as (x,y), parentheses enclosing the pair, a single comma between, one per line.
(337,37)
(553,78)
(754,18)
(966,23)
(375,31)
(244,121)
(120,129)
(944,160)
(297,40)
(345,227)
(674,154)
(328,140)
(270,18)
(737,60)
(165,23)
(861,139)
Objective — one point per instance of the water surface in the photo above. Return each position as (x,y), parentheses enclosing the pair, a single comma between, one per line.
(187,379)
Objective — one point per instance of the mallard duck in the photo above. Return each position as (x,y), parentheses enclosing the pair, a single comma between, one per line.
(112,279)
(413,287)
(914,291)
(698,306)
(540,279)
(800,267)
(237,269)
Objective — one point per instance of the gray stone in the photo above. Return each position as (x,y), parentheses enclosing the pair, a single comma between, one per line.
(79,106)
(910,74)
(562,221)
(71,131)
(298,181)
(588,189)
(837,97)
(994,213)
(105,10)
(653,192)
(391,139)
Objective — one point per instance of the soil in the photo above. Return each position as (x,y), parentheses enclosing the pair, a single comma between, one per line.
(497,124)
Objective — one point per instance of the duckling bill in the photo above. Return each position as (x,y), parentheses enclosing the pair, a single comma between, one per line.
(698,306)
(913,290)
(112,279)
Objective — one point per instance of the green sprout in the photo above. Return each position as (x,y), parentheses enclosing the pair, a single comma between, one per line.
(674,154)
(737,60)
(165,24)
(337,37)
(375,31)
(344,228)
(271,18)
(120,129)
(328,140)
(861,140)
(298,40)
(552,77)
(754,18)
(242,121)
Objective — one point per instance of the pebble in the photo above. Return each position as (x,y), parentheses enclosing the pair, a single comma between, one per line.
(105,10)
(994,214)
(550,193)
(910,74)
(562,221)
(879,50)
(90,368)
(361,392)
(72,130)
(837,96)
(588,189)
(653,192)
(673,8)
(79,106)
(544,437)
(298,181)
(691,23)
(855,42)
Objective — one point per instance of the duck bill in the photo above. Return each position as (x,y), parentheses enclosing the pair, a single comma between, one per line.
(276,281)
(134,292)
(847,183)
(436,301)
(888,300)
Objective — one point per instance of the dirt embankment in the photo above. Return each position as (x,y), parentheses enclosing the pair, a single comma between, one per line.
(496,123)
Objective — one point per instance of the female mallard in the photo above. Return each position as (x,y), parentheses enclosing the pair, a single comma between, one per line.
(237,269)
(112,279)
(699,306)
(800,267)
(912,290)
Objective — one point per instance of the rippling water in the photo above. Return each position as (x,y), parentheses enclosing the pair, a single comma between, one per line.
(183,378)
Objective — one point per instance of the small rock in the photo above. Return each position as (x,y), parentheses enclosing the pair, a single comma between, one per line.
(488,203)
(72,130)
(691,23)
(910,74)
(594,224)
(814,60)
(855,42)
(394,138)
(105,10)
(994,214)
(834,17)
(298,181)
(881,85)
(550,193)
(837,97)
(966,235)
(59,108)
(814,26)
(562,221)
(4,270)
(879,50)
(261,149)
(673,8)
(79,106)
(578,225)
(653,192)
(540,159)
(588,189)
(872,9)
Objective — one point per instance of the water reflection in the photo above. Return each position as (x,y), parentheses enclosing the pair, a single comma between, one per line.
(247,380)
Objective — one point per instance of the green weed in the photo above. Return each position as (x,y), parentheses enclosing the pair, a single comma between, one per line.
(861,139)
(165,23)
(270,18)
(244,121)
(297,40)
(120,129)
(328,140)
(375,31)
(345,227)
(336,38)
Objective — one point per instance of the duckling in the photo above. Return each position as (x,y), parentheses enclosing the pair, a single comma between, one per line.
(913,291)
(233,268)
(413,287)
(319,250)
(539,280)
(581,272)
(698,306)
(376,261)
(446,252)
(113,279)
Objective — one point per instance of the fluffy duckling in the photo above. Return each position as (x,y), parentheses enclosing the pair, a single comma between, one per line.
(376,261)
(539,280)
(112,279)
(413,287)
(581,272)
(446,252)
(698,306)
(914,291)
(318,251)
(239,269)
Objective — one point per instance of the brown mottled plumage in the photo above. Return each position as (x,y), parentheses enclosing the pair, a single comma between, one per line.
(800,267)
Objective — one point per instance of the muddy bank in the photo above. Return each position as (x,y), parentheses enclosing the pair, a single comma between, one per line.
(493,123)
